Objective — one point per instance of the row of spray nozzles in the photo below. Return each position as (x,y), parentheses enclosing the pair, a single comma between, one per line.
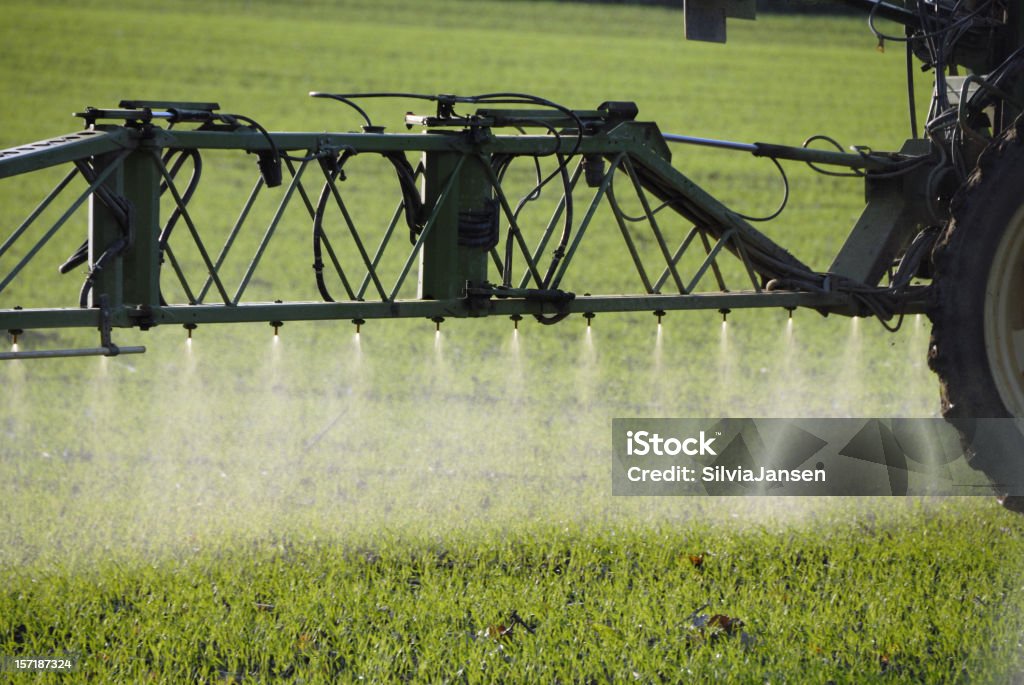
(15,333)
(438,320)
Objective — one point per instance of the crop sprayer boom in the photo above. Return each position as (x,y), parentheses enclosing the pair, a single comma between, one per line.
(460,223)
(942,231)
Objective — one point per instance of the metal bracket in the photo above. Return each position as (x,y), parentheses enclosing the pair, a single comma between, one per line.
(705,19)
(107,347)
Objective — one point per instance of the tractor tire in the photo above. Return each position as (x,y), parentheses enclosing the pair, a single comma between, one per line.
(977,343)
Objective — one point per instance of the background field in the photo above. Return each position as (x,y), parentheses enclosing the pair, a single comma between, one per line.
(315,510)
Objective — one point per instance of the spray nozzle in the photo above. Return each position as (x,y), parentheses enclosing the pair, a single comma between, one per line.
(791,310)
(14,333)
(516,318)
(725,313)
(189,327)
(589,316)
(438,320)
(659,313)
(358,323)
(276,325)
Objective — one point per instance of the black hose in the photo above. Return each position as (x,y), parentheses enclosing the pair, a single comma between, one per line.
(411,199)
(563,242)
(115,249)
(186,197)
(319,236)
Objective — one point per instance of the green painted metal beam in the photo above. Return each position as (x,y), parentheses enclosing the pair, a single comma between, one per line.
(449,308)
(63,149)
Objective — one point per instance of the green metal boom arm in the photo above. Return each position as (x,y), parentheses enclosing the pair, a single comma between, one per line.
(459,215)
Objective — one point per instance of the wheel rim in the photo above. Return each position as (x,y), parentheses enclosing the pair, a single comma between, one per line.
(1004,316)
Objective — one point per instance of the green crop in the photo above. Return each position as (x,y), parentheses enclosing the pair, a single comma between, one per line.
(418,508)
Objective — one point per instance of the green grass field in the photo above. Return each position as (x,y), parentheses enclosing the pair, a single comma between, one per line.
(406,510)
